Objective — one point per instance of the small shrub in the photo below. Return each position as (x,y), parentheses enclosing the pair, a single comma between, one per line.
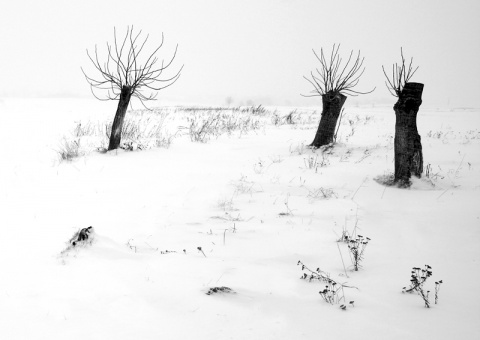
(357,248)
(289,119)
(417,280)
(333,291)
(82,235)
(81,238)
(223,289)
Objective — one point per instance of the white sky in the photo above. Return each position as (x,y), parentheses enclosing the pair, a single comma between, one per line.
(249,50)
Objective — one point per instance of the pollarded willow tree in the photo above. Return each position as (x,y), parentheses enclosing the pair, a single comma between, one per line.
(407,142)
(128,72)
(334,81)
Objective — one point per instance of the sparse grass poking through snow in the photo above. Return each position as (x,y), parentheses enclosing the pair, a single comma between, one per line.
(311,162)
(464,137)
(321,193)
(229,217)
(256,110)
(276,119)
(314,162)
(205,124)
(226,204)
(69,149)
(276,159)
(244,186)
(366,153)
(351,125)
(203,127)
(144,132)
(432,176)
(141,130)
(288,211)
(291,118)
(298,149)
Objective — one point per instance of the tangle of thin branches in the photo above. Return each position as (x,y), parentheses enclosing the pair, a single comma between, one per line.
(334,77)
(400,76)
(127,65)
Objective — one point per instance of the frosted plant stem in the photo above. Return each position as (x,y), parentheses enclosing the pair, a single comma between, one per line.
(342,261)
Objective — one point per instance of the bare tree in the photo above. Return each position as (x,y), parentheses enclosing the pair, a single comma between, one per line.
(407,143)
(333,81)
(128,72)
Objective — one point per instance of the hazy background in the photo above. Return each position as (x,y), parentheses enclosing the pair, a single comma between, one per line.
(255,52)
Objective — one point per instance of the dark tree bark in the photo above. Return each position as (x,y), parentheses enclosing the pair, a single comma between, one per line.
(332,106)
(407,145)
(117,126)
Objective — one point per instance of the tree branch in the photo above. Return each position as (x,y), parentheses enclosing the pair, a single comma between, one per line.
(400,76)
(128,68)
(335,78)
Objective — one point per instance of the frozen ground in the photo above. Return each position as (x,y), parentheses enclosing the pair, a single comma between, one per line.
(255,204)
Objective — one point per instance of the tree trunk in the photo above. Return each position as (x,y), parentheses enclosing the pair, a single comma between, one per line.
(407,145)
(332,106)
(116,135)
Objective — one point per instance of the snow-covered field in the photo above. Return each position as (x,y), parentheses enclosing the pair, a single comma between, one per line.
(255,203)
